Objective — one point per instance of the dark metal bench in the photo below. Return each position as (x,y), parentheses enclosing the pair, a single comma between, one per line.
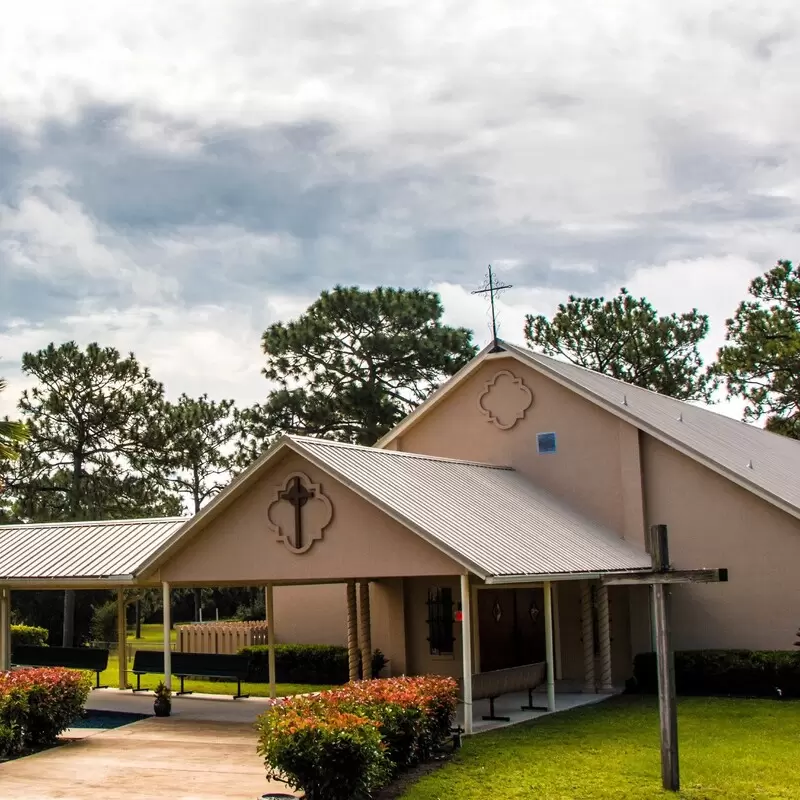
(490,685)
(91,659)
(186,665)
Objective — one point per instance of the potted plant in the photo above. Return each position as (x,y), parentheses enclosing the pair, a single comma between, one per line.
(162,704)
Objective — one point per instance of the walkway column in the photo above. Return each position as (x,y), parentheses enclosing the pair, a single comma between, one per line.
(557,632)
(5,629)
(273,692)
(604,635)
(122,640)
(365,633)
(587,632)
(466,651)
(352,631)
(549,648)
(167,603)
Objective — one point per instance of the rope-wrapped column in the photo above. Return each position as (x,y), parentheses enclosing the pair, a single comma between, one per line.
(352,631)
(604,635)
(587,633)
(365,634)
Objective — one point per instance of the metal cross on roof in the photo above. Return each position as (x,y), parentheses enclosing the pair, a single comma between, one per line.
(492,289)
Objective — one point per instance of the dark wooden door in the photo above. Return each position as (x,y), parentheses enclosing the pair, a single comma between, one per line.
(511,627)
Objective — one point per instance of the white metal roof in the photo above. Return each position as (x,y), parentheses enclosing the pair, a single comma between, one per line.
(75,551)
(489,518)
(763,462)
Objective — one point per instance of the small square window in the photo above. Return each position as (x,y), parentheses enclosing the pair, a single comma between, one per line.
(545,443)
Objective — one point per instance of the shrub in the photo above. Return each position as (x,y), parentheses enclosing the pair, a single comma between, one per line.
(749,673)
(28,635)
(299,663)
(103,627)
(379,661)
(37,705)
(409,718)
(330,755)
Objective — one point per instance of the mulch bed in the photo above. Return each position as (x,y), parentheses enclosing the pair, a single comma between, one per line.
(407,779)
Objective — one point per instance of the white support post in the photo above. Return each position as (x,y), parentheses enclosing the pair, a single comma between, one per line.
(122,641)
(273,691)
(557,632)
(604,635)
(549,648)
(5,629)
(587,632)
(167,635)
(466,649)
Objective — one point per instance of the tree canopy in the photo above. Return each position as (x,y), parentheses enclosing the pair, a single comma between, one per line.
(93,422)
(12,435)
(198,447)
(625,337)
(761,360)
(356,362)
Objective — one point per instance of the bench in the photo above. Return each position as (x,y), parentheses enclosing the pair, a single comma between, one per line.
(92,659)
(186,665)
(490,685)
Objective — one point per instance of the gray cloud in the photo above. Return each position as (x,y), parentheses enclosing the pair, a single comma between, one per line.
(389,147)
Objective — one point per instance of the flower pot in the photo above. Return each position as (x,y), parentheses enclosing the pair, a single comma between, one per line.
(162,707)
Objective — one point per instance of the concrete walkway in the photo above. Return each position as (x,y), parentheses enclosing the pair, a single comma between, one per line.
(205,751)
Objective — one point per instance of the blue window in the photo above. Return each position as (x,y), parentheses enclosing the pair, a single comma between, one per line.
(545,443)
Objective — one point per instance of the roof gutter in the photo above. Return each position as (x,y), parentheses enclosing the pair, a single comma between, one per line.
(110,581)
(499,580)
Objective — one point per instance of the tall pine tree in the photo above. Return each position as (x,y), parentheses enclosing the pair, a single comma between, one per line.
(93,422)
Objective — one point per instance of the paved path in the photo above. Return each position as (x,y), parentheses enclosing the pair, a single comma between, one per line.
(182,757)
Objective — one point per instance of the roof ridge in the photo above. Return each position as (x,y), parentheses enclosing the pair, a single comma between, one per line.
(84,523)
(696,405)
(402,453)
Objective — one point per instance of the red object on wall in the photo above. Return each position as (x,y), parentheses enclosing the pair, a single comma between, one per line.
(459,616)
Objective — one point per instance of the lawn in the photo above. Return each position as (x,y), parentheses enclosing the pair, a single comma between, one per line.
(153,638)
(734,749)
(110,677)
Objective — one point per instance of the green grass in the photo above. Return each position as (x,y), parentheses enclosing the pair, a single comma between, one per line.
(152,635)
(734,749)
(153,638)
(110,677)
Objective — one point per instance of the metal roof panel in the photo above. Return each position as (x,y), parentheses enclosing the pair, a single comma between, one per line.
(490,516)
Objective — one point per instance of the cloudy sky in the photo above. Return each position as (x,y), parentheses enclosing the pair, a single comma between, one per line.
(176,175)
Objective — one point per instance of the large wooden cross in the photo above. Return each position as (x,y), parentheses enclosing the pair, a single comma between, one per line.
(659,578)
(298,496)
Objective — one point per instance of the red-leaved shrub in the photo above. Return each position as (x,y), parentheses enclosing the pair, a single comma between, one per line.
(36,705)
(348,742)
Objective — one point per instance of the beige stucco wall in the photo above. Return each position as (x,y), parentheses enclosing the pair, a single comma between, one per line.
(595,468)
(318,615)
(715,523)
(361,541)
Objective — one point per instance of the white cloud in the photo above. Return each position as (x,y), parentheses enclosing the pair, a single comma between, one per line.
(576,145)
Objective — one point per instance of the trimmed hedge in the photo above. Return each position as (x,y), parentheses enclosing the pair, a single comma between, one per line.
(347,743)
(37,705)
(299,663)
(28,635)
(743,673)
